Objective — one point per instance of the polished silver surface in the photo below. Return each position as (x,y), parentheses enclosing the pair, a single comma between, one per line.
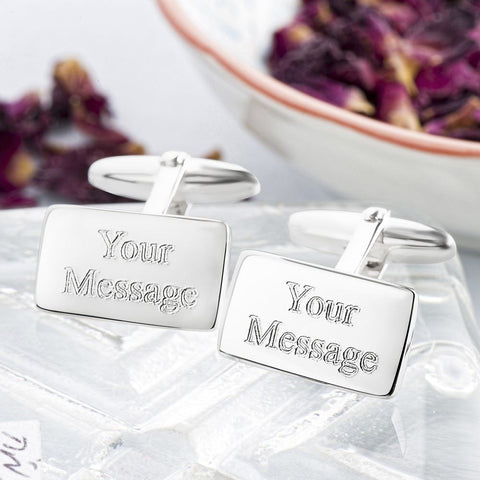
(341,329)
(148,267)
(400,241)
(368,231)
(152,269)
(332,325)
(128,401)
(203,181)
(166,186)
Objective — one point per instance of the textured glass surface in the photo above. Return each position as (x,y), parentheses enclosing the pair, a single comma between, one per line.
(121,401)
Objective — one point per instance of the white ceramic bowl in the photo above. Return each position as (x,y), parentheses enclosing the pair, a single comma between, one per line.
(359,158)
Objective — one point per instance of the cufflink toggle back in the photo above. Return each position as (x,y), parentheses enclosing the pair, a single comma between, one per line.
(340,326)
(148,267)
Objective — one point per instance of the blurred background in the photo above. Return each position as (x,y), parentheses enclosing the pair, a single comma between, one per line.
(156,93)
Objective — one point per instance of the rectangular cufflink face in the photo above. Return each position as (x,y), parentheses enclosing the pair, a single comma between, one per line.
(340,329)
(152,269)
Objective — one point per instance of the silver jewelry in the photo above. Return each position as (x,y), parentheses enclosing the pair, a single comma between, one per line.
(343,326)
(158,267)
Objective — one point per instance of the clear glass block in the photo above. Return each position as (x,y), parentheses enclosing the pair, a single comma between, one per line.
(122,401)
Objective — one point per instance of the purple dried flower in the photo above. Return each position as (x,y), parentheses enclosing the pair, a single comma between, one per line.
(287,39)
(74,95)
(316,14)
(399,15)
(75,99)
(64,170)
(370,36)
(336,93)
(26,116)
(418,61)
(16,166)
(350,35)
(447,80)
(314,67)
(388,46)
(322,57)
(16,200)
(25,123)
(394,106)
(466,134)
(473,58)
(463,119)
(440,107)
(426,8)
(440,39)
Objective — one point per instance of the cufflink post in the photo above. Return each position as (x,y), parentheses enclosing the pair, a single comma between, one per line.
(170,183)
(369,240)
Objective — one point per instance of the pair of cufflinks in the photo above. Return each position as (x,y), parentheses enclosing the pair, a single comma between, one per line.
(342,326)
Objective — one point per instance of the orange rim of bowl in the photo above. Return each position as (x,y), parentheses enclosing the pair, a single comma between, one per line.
(288,96)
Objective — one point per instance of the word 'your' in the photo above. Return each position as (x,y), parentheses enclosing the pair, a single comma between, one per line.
(116,245)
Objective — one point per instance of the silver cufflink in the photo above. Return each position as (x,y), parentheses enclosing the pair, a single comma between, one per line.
(343,326)
(158,267)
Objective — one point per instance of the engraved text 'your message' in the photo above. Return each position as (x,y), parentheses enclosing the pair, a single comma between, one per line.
(348,360)
(168,298)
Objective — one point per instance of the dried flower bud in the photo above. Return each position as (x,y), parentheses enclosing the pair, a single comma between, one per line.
(440,39)
(399,15)
(64,170)
(16,166)
(16,200)
(394,106)
(26,116)
(316,14)
(287,39)
(350,98)
(23,127)
(418,61)
(447,80)
(74,95)
(464,119)
(323,57)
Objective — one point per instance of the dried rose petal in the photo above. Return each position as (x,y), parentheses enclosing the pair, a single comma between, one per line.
(287,39)
(466,134)
(64,170)
(441,38)
(322,57)
(418,61)
(367,34)
(441,107)
(74,95)
(399,15)
(26,116)
(426,8)
(214,154)
(16,200)
(316,14)
(473,58)
(350,98)
(466,117)
(350,36)
(444,29)
(447,80)
(25,122)
(16,166)
(388,46)
(394,106)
